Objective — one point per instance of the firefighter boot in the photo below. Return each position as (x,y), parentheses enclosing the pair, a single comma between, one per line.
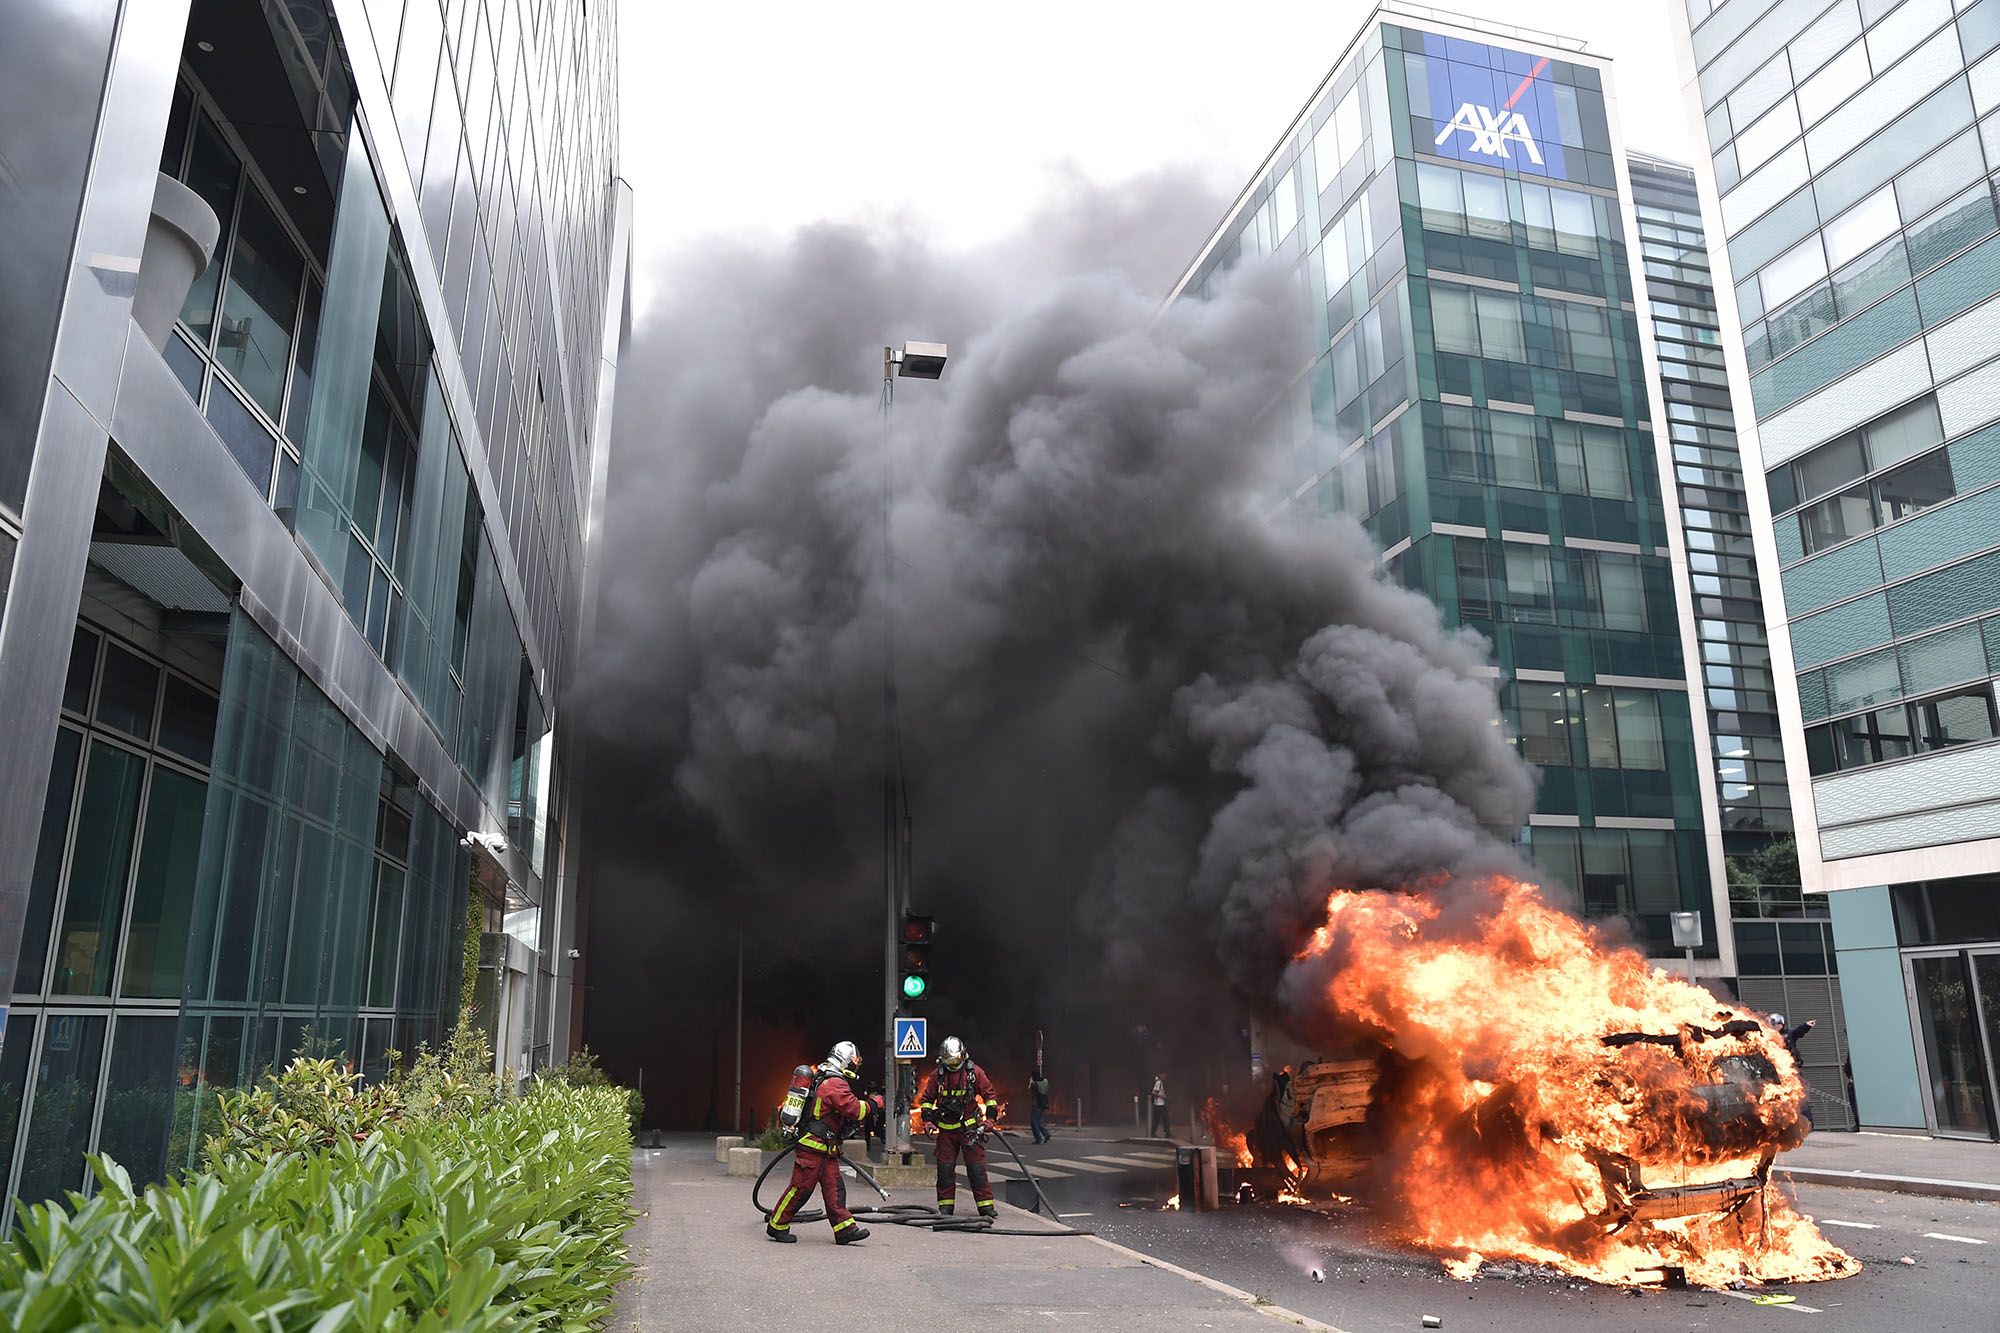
(850,1235)
(782,1237)
(944,1209)
(989,1210)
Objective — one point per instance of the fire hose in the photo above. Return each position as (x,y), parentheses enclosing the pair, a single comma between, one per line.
(918,1214)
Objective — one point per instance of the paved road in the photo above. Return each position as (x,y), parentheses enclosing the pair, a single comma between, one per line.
(1372,1284)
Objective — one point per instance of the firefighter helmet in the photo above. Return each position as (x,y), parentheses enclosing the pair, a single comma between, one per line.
(844,1059)
(953,1053)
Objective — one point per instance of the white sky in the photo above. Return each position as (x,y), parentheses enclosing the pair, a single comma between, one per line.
(760,118)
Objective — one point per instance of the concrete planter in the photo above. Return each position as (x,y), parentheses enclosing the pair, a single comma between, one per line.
(745,1161)
(180,240)
(724,1143)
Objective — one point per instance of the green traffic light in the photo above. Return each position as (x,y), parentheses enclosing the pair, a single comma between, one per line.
(914,986)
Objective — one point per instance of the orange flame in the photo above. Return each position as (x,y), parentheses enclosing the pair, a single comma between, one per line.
(1510,1128)
(1225,1139)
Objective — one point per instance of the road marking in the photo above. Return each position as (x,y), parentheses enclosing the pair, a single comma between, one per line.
(1043,1172)
(1076,1214)
(1962,1240)
(1858,1226)
(1748,1296)
(1083,1166)
(1127,1163)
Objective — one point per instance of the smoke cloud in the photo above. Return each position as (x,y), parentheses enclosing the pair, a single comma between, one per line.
(1150,715)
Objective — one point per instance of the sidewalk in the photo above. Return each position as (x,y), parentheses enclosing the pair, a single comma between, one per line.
(1899,1163)
(702,1262)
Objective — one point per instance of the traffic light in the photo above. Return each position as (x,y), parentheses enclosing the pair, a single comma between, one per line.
(917,932)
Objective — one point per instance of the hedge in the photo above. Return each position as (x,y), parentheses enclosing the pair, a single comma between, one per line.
(509,1217)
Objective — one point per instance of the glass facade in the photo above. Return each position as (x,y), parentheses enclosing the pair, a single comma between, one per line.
(1479,403)
(333,581)
(1856,155)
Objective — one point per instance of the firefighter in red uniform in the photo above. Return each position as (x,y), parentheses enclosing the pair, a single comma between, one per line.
(951,1102)
(831,1111)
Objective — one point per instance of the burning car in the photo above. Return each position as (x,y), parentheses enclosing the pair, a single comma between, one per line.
(1505,1083)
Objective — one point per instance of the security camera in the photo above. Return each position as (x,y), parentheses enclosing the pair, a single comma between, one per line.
(492,842)
(575,953)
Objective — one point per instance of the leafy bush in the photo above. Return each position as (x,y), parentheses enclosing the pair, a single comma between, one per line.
(508,1217)
(311,1105)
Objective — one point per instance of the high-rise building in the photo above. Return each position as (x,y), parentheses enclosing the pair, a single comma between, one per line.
(314,312)
(1854,149)
(1784,957)
(1456,200)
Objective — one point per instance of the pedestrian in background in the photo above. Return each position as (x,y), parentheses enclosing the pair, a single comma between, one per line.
(1159,1127)
(1038,1106)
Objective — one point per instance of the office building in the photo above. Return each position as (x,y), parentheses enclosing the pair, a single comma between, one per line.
(295,562)
(1784,956)
(1456,199)
(1851,183)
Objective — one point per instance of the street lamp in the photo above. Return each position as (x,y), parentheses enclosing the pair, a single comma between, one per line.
(920,361)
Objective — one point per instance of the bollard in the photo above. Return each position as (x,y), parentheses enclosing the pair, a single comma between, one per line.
(724,1143)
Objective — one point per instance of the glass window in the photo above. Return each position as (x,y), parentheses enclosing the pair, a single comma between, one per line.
(1956,719)
(1833,520)
(1451,319)
(1656,874)
(1605,460)
(1486,205)
(1285,200)
(64,1099)
(1914,487)
(1618,592)
(1576,221)
(260,305)
(82,671)
(1515,460)
(213,174)
(244,435)
(1544,715)
(1438,194)
(53,843)
(1792,272)
(1778,127)
(163,892)
(1857,230)
(125,695)
(187,720)
(1903,433)
(1607,885)
(1831,467)
(1499,325)
(1833,85)
(1347,122)
(106,821)
(1529,584)
(1638,721)
(1600,725)
(139,1095)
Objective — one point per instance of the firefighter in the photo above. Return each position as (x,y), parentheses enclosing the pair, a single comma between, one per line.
(958,1101)
(831,1110)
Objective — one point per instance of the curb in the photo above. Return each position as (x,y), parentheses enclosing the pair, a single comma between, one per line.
(1921,1185)
(1221,1288)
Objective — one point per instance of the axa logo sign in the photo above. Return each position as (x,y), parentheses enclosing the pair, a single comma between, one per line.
(1491,131)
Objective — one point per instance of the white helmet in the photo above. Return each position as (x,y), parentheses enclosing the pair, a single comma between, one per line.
(953,1053)
(844,1059)
(1777,1020)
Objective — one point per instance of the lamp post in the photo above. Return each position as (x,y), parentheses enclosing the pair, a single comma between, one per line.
(922,361)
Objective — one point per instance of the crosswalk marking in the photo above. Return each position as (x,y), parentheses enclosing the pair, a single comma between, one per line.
(1127,1163)
(1096,1167)
(1962,1240)
(1042,1172)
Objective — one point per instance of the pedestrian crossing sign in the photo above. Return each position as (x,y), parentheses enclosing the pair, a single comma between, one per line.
(912,1038)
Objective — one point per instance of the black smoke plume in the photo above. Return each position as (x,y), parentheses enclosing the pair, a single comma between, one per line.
(1150,715)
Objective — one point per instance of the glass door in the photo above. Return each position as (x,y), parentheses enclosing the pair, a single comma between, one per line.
(1948,1015)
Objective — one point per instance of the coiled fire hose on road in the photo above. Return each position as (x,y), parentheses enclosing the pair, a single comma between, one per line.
(919,1214)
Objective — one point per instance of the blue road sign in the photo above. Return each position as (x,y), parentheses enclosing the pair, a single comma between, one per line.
(912,1038)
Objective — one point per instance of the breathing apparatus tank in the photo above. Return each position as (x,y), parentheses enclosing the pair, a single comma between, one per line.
(792,1113)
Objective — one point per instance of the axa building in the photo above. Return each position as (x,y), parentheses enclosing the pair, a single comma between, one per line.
(1855,146)
(314,309)
(1485,394)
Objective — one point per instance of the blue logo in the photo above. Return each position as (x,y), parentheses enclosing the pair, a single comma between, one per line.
(912,1038)
(1495,106)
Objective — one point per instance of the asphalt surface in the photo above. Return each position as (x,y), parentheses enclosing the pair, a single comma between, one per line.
(1372,1283)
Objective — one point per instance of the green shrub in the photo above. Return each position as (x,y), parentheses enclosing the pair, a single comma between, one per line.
(508,1217)
(310,1105)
